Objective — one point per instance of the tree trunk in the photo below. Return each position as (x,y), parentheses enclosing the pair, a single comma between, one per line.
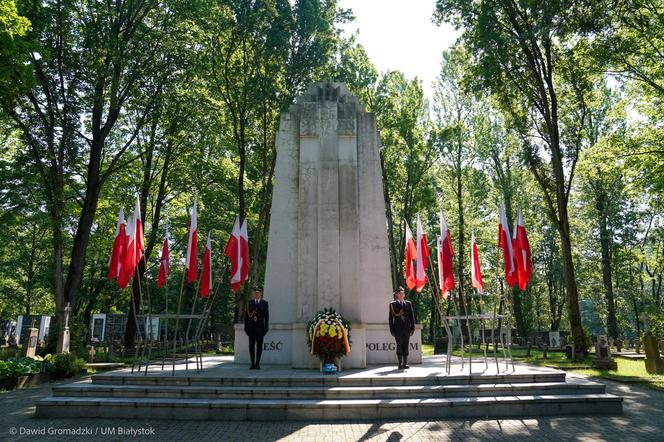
(518,311)
(605,243)
(573,310)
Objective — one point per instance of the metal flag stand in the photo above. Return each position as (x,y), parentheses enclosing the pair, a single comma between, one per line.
(443,319)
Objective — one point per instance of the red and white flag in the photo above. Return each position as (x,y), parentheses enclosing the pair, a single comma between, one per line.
(191,261)
(505,243)
(206,275)
(164,263)
(119,246)
(237,250)
(135,247)
(524,263)
(445,256)
(475,272)
(411,253)
(422,257)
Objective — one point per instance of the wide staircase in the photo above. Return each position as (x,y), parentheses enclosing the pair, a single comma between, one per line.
(306,396)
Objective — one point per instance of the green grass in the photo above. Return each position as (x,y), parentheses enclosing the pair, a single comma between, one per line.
(629,370)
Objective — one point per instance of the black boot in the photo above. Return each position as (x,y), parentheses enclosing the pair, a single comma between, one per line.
(405,362)
(400,358)
(259,352)
(251,356)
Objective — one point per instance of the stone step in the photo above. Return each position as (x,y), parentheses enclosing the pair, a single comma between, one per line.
(321,380)
(85,389)
(345,409)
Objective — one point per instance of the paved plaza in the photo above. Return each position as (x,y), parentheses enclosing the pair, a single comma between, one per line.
(642,420)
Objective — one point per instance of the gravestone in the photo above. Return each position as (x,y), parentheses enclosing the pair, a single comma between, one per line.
(63,337)
(619,344)
(554,339)
(603,359)
(654,363)
(328,244)
(30,342)
(637,344)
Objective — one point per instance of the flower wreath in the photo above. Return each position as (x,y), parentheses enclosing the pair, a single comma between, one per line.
(328,335)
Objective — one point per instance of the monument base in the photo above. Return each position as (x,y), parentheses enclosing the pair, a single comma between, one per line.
(286,344)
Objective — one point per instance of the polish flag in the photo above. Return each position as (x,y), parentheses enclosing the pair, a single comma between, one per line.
(119,246)
(411,253)
(191,262)
(206,275)
(422,257)
(445,255)
(140,239)
(165,263)
(505,243)
(524,263)
(475,272)
(237,250)
(135,247)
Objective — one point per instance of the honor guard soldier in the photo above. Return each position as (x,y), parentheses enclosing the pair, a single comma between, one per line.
(256,321)
(402,325)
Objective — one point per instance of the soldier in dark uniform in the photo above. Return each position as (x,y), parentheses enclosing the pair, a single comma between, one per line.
(256,321)
(402,325)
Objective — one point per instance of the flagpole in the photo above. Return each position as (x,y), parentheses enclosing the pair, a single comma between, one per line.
(136,309)
(177,319)
(486,362)
(502,323)
(208,309)
(165,351)
(150,335)
(493,338)
(140,295)
(443,318)
(186,335)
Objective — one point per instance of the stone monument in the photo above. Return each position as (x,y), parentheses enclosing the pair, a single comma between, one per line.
(328,238)
(654,363)
(603,359)
(63,337)
(30,342)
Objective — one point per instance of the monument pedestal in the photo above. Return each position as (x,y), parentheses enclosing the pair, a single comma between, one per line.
(286,344)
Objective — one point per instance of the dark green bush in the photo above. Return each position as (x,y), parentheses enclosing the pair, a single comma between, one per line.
(66,364)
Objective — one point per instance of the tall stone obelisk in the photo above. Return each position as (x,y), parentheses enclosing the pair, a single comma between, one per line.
(328,238)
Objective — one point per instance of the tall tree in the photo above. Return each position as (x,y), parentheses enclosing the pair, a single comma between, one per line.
(525,54)
(87,63)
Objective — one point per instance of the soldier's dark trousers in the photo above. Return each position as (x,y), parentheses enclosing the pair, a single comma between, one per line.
(255,347)
(402,339)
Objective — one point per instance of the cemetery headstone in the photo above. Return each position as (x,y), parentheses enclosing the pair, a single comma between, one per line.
(63,341)
(603,359)
(654,363)
(554,339)
(30,342)
(619,344)
(91,353)
(545,349)
(637,344)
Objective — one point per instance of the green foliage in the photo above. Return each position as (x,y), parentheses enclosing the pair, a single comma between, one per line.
(20,366)
(66,364)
